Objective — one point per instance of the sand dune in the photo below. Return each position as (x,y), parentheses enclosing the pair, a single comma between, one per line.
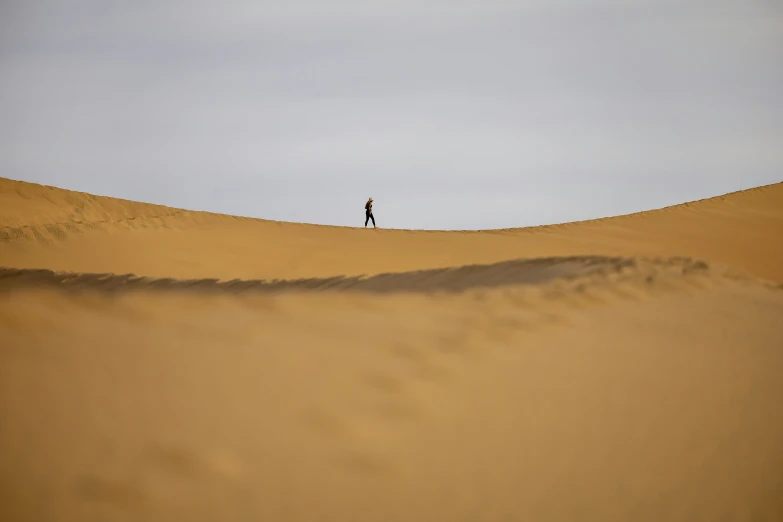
(161,364)
(42,227)
(507,273)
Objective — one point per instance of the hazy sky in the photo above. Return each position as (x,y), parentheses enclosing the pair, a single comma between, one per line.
(452,115)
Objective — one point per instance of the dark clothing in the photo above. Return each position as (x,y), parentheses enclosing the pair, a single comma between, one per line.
(368,213)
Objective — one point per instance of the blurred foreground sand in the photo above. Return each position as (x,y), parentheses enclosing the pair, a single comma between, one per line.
(619,369)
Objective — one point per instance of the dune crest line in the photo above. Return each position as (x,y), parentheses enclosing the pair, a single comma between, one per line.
(452,279)
(64,230)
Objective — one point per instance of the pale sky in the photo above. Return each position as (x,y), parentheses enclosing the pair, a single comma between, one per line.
(452,115)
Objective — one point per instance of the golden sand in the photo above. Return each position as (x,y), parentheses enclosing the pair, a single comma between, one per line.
(158,364)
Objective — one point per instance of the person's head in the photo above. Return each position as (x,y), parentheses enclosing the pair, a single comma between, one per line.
(370,199)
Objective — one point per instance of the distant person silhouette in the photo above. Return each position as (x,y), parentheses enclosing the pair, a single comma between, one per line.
(368,213)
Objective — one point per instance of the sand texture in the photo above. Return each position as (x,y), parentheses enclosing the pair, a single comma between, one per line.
(159,364)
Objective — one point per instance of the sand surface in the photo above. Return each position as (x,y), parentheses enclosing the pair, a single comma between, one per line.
(158,364)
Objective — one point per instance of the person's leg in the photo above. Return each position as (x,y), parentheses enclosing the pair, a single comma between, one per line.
(373,219)
(367,218)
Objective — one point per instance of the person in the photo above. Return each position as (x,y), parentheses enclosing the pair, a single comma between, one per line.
(368,213)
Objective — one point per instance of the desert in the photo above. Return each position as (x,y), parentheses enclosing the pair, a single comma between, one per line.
(163,364)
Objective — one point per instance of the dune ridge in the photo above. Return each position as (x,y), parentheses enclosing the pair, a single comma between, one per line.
(155,241)
(617,400)
(80,201)
(514,272)
(159,364)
